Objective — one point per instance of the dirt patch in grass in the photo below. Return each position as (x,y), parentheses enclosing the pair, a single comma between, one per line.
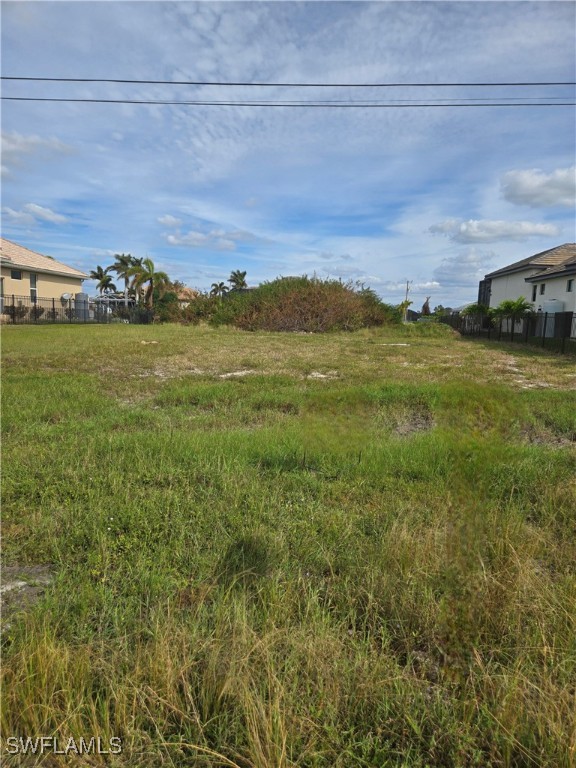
(547,437)
(409,424)
(235,374)
(403,422)
(319,375)
(21,586)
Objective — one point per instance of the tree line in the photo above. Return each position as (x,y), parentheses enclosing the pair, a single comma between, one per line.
(145,284)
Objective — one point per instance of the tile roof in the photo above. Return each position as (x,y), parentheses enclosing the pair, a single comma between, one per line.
(187,294)
(18,256)
(554,257)
(567,267)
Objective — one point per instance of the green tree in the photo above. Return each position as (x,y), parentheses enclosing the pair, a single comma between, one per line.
(147,279)
(122,266)
(514,309)
(475,309)
(403,309)
(237,279)
(219,289)
(103,279)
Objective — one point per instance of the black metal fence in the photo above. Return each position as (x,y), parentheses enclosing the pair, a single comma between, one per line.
(552,330)
(80,309)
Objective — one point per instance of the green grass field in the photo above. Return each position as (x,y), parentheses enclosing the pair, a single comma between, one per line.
(290,550)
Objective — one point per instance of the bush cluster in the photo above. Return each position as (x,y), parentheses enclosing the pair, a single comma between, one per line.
(306,304)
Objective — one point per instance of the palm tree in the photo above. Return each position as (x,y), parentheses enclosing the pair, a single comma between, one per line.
(474,309)
(144,273)
(237,279)
(123,264)
(513,310)
(219,289)
(105,284)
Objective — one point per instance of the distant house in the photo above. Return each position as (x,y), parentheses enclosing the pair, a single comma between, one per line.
(186,295)
(26,274)
(547,280)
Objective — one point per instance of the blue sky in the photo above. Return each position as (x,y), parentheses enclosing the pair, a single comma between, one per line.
(436,196)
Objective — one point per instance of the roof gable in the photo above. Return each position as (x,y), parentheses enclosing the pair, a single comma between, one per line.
(552,258)
(12,254)
(567,267)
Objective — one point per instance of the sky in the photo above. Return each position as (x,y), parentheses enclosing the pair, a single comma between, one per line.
(432,196)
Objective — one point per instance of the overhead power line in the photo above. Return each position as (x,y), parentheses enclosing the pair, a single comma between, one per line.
(281,85)
(381,103)
(303,104)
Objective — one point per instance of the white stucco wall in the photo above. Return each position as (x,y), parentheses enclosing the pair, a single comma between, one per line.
(511,287)
(556,289)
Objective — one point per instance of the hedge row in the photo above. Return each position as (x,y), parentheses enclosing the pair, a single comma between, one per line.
(306,304)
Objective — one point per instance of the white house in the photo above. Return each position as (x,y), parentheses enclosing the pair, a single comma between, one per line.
(555,284)
(547,280)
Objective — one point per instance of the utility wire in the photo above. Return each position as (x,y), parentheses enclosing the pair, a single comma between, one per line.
(303,104)
(280,85)
(494,101)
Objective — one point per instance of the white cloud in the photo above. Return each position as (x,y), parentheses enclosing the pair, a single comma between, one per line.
(395,286)
(18,217)
(44,214)
(216,240)
(490,231)
(169,221)
(538,189)
(33,214)
(207,234)
(195,239)
(16,146)
(465,269)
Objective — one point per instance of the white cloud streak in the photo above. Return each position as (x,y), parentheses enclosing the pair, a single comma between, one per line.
(464,269)
(491,231)
(169,221)
(213,240)
(537,189)
(32,214)
(16,147)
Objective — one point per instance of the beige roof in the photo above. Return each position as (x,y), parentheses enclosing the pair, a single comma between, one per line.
(567,267)
(187,294)
(554,257)
(15,255)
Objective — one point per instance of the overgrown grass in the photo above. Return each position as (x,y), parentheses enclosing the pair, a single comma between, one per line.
(291,550)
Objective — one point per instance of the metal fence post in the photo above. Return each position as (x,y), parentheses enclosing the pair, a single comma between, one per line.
(544,327)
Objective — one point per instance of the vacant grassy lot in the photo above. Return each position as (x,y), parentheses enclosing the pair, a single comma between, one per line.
(290,550)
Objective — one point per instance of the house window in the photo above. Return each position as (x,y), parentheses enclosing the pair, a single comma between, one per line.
(33,287)
(534,292)
(570,285)
(542,289)
(16,274)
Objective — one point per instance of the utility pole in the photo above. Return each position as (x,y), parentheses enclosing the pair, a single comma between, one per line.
(406,302)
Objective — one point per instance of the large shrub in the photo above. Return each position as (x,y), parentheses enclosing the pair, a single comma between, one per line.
(202,307)
(303,304)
